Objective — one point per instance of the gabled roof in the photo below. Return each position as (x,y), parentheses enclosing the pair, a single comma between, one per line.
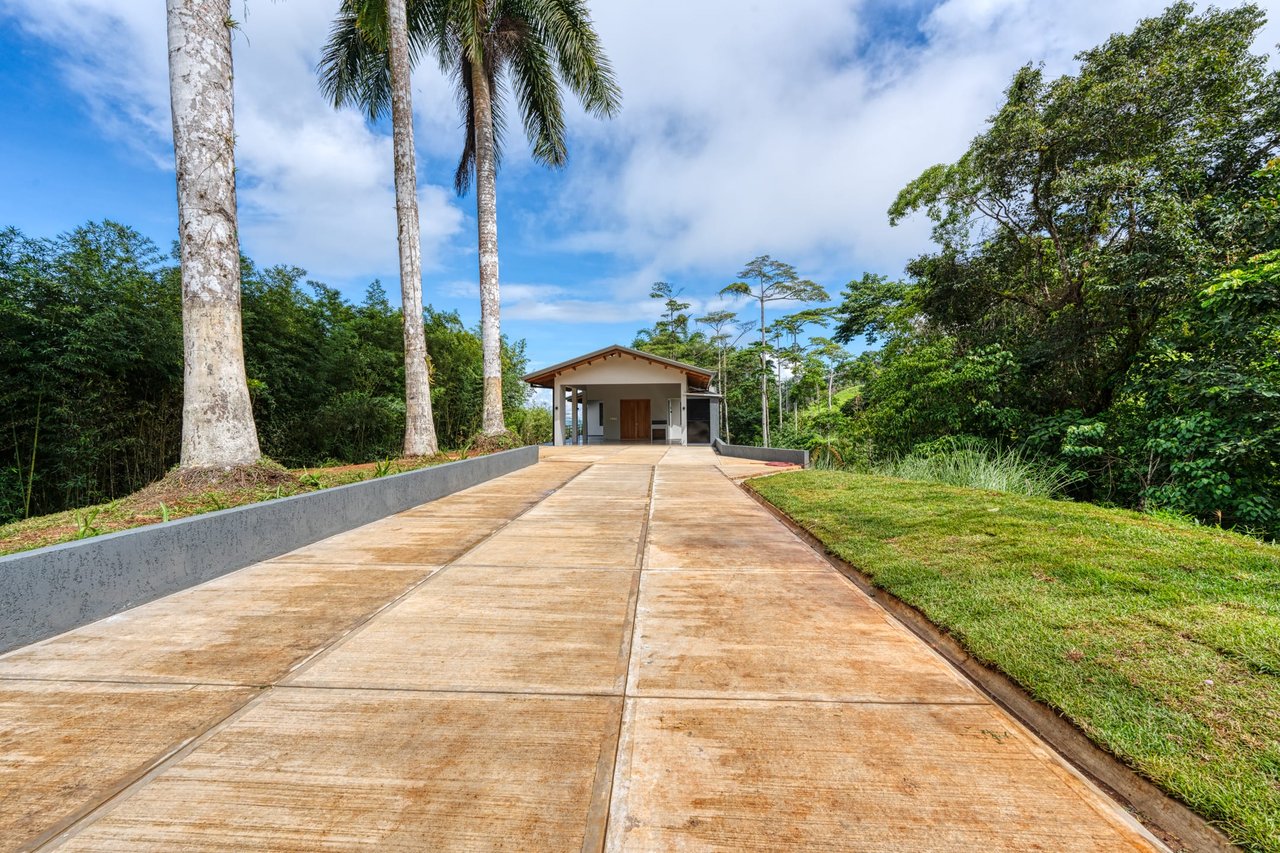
(546,377)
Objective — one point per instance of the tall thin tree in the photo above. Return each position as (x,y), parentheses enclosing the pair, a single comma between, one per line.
(377,33)
(791,325)
(533,46)
(217,415)
(719,322)
(834,358)
(774,282)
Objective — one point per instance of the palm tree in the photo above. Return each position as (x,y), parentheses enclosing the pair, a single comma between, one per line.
(532,46)
(378,31)
(217,414)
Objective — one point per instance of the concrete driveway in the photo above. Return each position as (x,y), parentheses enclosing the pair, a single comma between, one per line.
(614,649)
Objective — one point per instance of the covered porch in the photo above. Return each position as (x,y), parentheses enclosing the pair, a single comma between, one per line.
(621,395)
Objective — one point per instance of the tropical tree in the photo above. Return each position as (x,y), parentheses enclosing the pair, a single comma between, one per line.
(793,356)
(671,336)
(1069,247)
(834,359)
(774,281)
(367,63)
(488,45)
(217,415)
(534,47)
(719,322)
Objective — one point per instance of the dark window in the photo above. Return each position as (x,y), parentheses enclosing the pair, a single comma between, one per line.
(699,416)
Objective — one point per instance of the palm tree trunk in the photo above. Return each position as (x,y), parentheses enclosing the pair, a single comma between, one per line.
(217,414)
(419,427)
(487,225)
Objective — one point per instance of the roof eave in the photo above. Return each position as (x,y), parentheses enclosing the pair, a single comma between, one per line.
(545,378)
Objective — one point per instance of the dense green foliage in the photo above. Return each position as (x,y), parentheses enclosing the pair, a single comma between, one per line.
(91,392)
(1103,299)
(1107,300)
(1159,640)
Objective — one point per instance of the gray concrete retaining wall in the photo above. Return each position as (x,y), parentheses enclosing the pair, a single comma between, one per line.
(763,454)
(54,589)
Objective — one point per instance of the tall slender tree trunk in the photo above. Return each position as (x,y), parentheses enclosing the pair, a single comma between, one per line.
(764,378)
(217,415)
(724,390)
(780,411)
(419,427)
(487,225)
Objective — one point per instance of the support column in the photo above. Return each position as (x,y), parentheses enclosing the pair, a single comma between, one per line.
(573,392)
(557,415)
(684,411)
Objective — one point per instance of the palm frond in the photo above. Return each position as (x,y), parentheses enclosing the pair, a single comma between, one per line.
(537,92)
(354,69)
(463,88)
(583,66)
(352,62)
(428,24)
(467,163)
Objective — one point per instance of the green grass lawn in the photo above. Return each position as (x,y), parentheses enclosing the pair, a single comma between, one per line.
(1159,639)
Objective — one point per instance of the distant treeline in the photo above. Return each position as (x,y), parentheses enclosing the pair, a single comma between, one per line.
(91,361)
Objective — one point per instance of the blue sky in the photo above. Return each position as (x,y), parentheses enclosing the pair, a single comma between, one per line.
(747,128)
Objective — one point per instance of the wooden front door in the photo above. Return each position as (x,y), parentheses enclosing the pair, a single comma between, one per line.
(634,420)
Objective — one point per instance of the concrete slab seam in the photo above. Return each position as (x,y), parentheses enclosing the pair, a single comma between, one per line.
(610,781)
(319,654)
(76,822)
(90,814)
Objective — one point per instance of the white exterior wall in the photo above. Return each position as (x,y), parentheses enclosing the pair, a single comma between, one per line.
(621,369)
(622,377)
(611,395)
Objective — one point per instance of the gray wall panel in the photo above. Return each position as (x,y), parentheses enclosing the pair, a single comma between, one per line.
(60,587)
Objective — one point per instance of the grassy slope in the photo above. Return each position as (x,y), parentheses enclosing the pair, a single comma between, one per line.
(144,507)
(1160,640)
(838,399)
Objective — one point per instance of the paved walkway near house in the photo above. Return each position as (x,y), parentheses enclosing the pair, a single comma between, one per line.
(615,648)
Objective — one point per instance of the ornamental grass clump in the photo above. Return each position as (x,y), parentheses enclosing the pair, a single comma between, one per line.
(969,463)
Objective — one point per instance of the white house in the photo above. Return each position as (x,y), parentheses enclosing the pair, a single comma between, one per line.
(621,394)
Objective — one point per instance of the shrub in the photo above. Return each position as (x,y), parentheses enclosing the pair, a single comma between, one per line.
(968,462)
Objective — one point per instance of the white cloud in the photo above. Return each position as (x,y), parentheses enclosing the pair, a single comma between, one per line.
(315,184)
(788,128)
(748,127)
